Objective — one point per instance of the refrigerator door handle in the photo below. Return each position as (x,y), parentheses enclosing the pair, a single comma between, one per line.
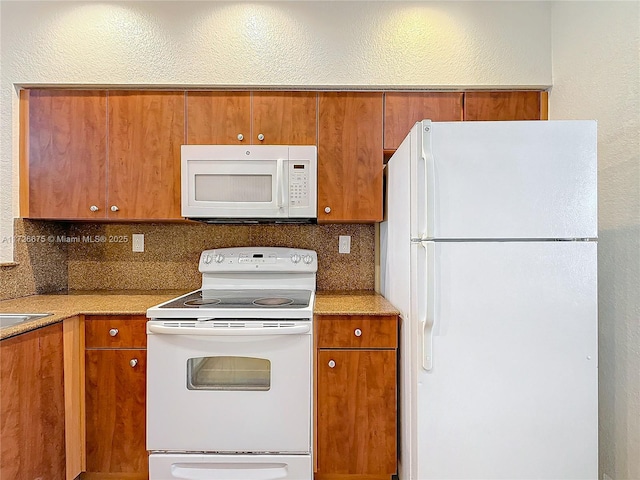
(427,346)
(429,324)
(429,185)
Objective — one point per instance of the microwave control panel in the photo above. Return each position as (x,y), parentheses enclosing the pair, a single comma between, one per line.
(299,183)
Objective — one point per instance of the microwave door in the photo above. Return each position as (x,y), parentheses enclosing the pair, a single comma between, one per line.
(237,189)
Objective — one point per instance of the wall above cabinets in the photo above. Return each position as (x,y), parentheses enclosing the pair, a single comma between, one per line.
(114,155)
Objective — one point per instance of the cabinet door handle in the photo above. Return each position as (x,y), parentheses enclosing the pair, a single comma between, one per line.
(133,362)
(260,137)
(357,332)
(114,208)
(327,209)
(94,208)
(332,363)
(240,137)
(113,332)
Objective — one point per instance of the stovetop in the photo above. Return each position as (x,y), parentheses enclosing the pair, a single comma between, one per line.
(252,299)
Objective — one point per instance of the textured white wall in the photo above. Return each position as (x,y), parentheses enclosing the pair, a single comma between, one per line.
(596,74)
(312,44)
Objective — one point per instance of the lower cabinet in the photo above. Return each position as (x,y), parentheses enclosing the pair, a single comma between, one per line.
(32,429)
(115,397)
(356,397)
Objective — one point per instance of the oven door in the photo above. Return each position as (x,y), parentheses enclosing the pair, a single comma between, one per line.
(229,388)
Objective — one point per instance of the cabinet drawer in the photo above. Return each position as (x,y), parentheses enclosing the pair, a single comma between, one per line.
(117,331)
(357,331)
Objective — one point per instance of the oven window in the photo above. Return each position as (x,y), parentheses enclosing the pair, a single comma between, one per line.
(233,188)
(228,373)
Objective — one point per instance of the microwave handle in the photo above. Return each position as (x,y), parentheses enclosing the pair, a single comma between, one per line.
(280,183)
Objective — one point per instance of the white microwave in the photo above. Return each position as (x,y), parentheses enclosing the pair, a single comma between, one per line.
(254,183)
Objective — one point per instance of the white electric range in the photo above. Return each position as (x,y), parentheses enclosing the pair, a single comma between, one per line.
(229,383)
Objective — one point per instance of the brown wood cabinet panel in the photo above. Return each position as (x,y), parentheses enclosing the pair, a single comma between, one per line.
(116,411)
(356,331)
(356,412)
(74,428)
(403,109)
(507,105)
(64,154)
(218,118)
(350,157)
(32,405)
(146,130)
(285,118)
(131,331)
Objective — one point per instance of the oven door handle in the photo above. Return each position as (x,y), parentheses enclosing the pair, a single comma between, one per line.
(213,332)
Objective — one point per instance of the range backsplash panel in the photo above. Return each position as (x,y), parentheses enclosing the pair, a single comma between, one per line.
(100,256)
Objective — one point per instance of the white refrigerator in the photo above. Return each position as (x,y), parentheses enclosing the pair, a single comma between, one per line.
(488,249)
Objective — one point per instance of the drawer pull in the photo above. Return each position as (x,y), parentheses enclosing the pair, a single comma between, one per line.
(357,332)
(113,332)
(332,363)
(133,362)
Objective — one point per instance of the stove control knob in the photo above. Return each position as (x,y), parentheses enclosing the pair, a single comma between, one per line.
(207,259)
(219,258)
(295,258)
(307,259)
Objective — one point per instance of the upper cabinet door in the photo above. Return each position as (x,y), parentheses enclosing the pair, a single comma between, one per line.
(403,109)
(350,157)
(284,118)
(222,118)
(146,130)
(516,105)
(63,154)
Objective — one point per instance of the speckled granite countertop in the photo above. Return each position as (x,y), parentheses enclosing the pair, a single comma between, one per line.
(62,306)
(353,303)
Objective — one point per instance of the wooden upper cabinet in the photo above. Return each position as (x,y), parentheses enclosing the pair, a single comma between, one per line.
(222,118)
(285,118)
(63,154)
(229,118)
(101,155)
(507,105)
(403,109)
(350,157)
(146,130)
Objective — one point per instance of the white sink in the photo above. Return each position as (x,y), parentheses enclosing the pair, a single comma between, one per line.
(11,319)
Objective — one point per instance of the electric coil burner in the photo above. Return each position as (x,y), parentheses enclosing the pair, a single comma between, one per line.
(229,369)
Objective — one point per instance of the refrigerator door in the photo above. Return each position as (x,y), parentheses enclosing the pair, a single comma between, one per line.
(504,361)
(501,180)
